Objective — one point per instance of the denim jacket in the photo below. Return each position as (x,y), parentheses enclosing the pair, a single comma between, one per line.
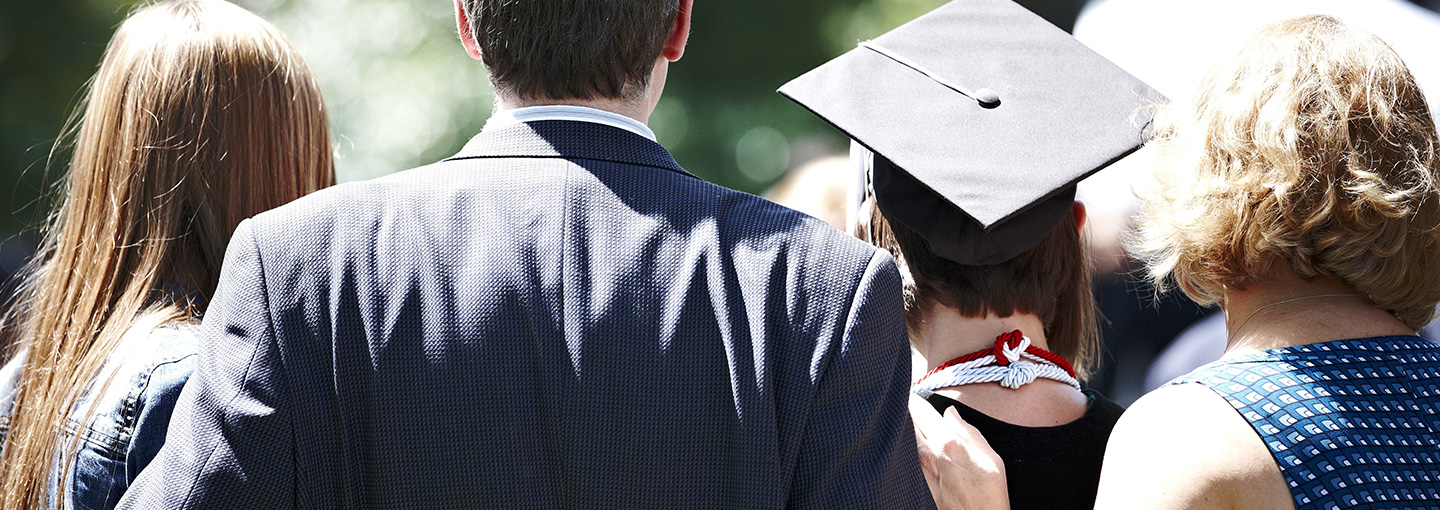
(126,426)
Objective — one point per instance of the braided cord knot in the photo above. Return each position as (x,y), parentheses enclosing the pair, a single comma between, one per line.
(1012,361)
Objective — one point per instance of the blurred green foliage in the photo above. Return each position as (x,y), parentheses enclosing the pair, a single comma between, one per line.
(402,93)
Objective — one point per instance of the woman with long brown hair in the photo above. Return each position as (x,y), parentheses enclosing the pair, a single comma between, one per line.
(200,115)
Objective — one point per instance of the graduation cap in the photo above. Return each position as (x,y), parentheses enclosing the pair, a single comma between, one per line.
(982,117)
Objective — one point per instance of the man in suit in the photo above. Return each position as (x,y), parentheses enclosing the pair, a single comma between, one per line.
(558,316)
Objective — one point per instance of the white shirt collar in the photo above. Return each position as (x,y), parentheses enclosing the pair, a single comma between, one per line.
(515,116)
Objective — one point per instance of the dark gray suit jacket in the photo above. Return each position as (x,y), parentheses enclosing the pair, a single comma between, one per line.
(557,317)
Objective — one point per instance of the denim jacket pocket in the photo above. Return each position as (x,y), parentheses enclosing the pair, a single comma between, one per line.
(120,430)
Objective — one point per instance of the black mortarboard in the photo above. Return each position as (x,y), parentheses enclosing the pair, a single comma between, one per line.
(982,116)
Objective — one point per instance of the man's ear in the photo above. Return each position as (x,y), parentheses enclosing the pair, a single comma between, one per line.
(467,35)
(1079,209)
(679,34)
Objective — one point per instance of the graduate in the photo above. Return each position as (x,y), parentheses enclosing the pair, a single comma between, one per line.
(977,121)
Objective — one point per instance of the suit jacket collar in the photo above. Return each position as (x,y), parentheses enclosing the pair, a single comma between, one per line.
(569,140)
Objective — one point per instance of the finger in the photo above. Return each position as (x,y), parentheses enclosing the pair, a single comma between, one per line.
(971,443)
(925,418)
(923,415)
(927,458)
(922,447)
(953,421)
(932,477)
(920,410)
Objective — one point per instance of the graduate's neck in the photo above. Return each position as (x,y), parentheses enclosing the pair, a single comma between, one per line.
(944,334)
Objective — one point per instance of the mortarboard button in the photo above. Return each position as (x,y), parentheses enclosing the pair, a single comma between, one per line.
(987,98)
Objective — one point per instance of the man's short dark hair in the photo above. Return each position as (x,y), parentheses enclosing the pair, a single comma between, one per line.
(571,49)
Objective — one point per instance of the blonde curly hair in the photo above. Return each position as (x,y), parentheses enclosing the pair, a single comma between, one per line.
(1314,151)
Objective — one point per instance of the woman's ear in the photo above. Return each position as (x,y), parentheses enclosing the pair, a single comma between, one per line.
(1079,209)
(467,34)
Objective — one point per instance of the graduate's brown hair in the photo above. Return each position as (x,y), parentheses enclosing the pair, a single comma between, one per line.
(1051,280)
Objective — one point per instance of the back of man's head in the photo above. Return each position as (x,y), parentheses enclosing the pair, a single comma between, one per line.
(570,49)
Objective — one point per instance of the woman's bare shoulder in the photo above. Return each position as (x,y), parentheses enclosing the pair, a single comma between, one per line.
(1183,446)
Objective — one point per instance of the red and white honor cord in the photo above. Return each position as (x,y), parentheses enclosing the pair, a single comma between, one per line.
(1012,362)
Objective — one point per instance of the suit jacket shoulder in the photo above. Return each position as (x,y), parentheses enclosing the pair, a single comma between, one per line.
(607,197)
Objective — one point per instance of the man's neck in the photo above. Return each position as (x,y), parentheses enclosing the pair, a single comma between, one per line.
(638,110)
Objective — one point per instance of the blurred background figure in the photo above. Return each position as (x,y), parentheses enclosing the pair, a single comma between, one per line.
(816,188)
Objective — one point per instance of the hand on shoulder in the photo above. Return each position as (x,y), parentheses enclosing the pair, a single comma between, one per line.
(963,472)
(1184,446)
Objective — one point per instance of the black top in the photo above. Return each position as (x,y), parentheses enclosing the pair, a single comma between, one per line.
(1053,468)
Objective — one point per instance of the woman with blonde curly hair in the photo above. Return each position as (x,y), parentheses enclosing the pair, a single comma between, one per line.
(1299,193)
(200,115)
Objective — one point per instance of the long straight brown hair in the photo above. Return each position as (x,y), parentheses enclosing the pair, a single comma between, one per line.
(200,115)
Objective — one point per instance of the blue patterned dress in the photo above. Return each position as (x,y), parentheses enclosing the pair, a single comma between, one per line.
(1351,423)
